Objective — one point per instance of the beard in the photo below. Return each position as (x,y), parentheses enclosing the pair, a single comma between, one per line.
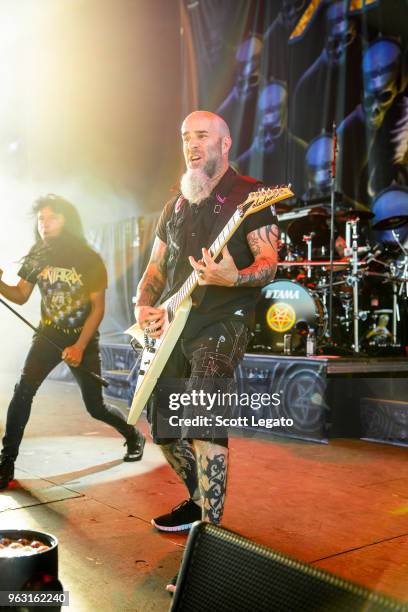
(197,183)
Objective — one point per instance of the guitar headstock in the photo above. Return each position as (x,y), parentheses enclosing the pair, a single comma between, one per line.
(266,196)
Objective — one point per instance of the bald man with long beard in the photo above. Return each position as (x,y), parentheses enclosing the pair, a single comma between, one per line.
(218,328)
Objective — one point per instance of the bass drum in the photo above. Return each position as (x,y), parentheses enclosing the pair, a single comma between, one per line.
(286,307)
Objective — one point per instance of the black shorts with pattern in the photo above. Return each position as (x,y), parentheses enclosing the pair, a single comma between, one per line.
(205,362)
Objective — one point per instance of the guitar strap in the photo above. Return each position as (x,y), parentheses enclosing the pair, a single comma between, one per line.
(226,205)
(234,192)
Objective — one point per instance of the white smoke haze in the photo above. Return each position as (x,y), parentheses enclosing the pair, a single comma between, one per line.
(79,117)
(16,235)
(57,135)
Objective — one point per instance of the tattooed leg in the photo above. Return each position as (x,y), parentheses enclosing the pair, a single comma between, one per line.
(180,455)
(212,463)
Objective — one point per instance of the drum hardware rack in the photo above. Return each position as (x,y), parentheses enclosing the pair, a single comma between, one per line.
(356,267)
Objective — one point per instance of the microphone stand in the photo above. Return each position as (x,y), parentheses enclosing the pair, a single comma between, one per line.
(332,205)
(99,379)
(330,346)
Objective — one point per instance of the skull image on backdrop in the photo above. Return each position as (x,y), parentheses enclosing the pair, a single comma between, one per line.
(382,80)
(374,137)
(241,100)
(275,154)
(319,157)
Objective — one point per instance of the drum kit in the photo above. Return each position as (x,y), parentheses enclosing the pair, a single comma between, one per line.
(352,298)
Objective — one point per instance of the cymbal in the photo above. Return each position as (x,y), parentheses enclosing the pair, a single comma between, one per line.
(390,223)
(390,208)
(319,210)
(361,212)
(287,205)
(345,208)
(282,207)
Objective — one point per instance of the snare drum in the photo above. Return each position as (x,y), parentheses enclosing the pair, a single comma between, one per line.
(286,307)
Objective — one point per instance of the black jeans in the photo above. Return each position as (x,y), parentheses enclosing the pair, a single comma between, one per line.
(205,361)
(41,359)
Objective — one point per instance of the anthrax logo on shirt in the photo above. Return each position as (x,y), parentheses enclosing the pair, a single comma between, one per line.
(65,275)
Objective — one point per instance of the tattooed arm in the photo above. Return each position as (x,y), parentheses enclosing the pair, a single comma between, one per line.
(149,290)
(263,243)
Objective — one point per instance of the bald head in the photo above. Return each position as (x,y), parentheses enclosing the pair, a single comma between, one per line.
(211,119)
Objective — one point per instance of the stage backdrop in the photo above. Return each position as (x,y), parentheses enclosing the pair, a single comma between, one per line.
(282,72)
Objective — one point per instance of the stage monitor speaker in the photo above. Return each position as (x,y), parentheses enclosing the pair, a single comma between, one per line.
(225,572)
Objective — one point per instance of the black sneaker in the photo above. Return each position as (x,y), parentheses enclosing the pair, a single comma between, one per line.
(180,518)
(135,445)
(6,471)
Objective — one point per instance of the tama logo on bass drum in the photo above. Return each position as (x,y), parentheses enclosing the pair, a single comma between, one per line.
(282,294)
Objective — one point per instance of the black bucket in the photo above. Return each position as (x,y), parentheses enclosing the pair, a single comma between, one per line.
(36,571)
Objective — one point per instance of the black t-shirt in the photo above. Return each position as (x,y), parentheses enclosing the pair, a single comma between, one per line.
(66,273)
(186,228)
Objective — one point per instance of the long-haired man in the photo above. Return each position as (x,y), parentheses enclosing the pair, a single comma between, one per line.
(72,280)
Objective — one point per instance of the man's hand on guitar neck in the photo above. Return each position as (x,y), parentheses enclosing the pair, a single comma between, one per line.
(150,320)
(224,273)
(263,243)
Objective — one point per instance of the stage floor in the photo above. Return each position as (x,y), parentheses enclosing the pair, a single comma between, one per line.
(342,507)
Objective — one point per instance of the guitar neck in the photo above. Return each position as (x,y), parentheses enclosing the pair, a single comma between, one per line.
(215,249)
(255,201)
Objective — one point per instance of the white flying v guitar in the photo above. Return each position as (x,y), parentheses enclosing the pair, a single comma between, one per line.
(177,308)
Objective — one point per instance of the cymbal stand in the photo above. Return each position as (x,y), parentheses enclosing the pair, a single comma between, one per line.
(395,313)
(348,234)
(309,243)
(404,276)
(355,283)
(403,288)
(288,247)
(347,307)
